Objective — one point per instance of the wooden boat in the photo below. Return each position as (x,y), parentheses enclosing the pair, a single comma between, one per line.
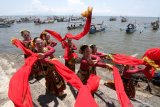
(131,28)
(47,21)
(73,24)
(123,19)
(155,26)
(112,19)
(4,25)
(96,28)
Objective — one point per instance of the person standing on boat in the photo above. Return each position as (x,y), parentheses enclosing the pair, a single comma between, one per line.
(46,38)
(69,62)
(88,64)
(54,82)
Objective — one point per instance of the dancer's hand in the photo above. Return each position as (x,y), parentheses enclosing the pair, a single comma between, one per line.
(41,56)
(109,66)
(13,40)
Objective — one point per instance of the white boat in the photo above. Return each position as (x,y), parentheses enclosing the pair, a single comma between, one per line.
(75,24)
(96,28)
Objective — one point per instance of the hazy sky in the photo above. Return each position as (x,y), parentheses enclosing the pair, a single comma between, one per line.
(75,7)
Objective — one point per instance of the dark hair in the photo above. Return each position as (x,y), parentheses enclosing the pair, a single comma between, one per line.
(92,46)
(43,35)
(82,48)
(24,31)
(34,40)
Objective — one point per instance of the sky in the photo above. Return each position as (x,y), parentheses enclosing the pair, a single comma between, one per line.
(144,8)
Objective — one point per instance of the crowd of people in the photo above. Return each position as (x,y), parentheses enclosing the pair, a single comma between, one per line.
(43,46)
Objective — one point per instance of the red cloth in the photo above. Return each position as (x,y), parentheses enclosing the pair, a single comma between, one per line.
(54,34)
(126,60)
(68,56)
(129,60)
(21,96)
(123,98)
(19,90)
(153,54)
(148,72)
(69,35)
(83,33)
(84,93)
(84,97)
(20,45)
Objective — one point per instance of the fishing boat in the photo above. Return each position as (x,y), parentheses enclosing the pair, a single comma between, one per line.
(73,24)
(155,26)
(123,19)
(112,19)
(38,22)
(46,21)
(4,25)
(96,28)
(131,28)
(62,19)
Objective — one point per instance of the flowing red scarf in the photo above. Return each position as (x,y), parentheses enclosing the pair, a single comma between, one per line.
(21,96)
(58,37)
(19,90)
(123,98)
(133,61)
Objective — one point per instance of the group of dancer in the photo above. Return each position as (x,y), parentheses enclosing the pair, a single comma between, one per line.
(43,46)
(45,49)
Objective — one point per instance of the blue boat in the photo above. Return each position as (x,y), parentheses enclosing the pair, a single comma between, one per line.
(131,28)
(96,28)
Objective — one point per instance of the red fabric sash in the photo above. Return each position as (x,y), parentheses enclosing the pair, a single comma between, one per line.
(83,33)
(19,90)
(84,97)
(84,93)
(58,37)
(54,34)
(133,61)
(123,98)
(126,60)
(21,96)
(68,56)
